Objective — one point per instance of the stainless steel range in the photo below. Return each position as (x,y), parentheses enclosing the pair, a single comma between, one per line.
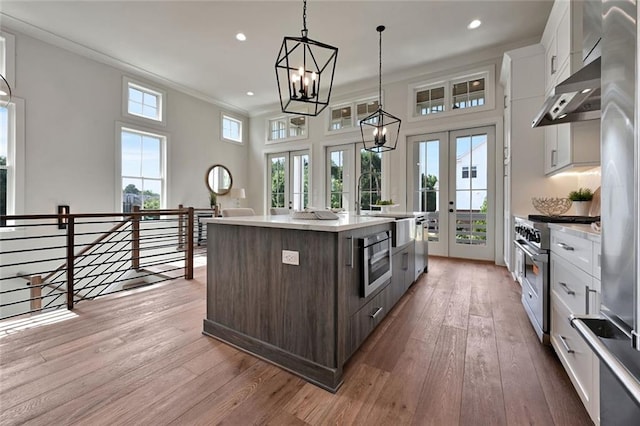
(532,248)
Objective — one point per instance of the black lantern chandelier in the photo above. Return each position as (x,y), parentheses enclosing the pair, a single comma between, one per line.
(303,69)
(380,130)
(5,92)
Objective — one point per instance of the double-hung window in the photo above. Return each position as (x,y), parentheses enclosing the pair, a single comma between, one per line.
(143,169)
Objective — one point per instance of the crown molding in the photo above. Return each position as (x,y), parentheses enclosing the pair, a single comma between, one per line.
(16,25)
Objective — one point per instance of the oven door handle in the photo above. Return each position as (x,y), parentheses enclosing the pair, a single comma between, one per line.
(536,257)
(380,255)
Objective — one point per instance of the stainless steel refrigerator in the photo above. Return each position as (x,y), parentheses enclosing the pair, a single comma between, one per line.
(615,335)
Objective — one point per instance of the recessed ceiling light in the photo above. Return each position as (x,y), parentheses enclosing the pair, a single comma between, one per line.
(249,93)
(474,24)
(585,91)
(241,37)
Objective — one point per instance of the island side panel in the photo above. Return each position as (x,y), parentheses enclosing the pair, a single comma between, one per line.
(250,290)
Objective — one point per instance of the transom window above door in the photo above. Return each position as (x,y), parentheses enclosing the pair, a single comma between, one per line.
(287,128)
(346,116)
(458,94)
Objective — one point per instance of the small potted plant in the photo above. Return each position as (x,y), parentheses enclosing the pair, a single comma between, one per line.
(582,200)
(213,202)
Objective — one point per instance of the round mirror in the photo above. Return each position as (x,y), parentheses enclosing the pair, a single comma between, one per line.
(218,179)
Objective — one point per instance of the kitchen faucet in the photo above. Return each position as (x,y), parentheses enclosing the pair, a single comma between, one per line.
(373,176)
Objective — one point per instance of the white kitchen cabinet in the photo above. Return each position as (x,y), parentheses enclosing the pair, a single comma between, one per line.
(575,290)
(570,146)
(522,79)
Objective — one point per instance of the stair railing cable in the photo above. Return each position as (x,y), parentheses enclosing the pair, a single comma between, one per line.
(141,247)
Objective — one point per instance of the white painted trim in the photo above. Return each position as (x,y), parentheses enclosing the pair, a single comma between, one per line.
(9,58)
(87,52)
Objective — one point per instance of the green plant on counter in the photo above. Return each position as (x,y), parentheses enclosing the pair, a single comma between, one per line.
(213,199)
(384,202)
(582,194)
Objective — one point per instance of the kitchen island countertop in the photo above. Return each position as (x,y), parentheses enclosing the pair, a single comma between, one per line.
(345,222)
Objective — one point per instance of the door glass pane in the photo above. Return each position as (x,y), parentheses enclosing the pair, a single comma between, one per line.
(277,181)
(427,178)
(471,189)
(337,195)
(370,178)
(300,181)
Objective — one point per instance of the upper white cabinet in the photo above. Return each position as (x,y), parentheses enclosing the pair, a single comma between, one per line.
(571,145)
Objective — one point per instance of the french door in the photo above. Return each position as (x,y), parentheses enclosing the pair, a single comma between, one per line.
(453,181)
(346,166)
(288,177)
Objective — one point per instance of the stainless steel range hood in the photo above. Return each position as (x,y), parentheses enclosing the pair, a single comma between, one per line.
(575,99)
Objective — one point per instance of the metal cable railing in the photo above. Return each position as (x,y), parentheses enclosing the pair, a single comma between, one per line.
(54,261)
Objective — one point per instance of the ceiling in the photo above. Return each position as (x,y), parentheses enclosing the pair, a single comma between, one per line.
(193,44)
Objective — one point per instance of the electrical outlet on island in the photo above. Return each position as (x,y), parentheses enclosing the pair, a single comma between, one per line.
(290,257)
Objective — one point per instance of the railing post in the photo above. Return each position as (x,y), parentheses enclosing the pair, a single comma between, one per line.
(188,270)
(180,228)
(70,260)
(35,292)
(135,239)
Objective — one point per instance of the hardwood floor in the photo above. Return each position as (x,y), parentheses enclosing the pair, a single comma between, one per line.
(457,350)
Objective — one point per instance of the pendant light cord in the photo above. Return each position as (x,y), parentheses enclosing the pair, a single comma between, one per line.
(380,72)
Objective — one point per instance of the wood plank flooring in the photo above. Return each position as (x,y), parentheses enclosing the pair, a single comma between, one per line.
(457,350)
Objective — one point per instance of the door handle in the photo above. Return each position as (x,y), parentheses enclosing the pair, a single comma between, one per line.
(376,313)
(588,299)
(566,345)
(565,246)
(450,210)
(567,289)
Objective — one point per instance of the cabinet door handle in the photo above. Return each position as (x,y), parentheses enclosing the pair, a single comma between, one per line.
(405,261)
(505,101)
(566,346)
(554,155)
(350,252)
(565,246)
(567,289)
(376,313)
(554,59)
(588,301)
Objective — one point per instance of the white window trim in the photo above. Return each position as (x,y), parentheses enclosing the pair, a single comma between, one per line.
(269,141)
(120,126)
(355,124)
(16,158)
(9,58)
(162,96)
(487,72)
(233,117)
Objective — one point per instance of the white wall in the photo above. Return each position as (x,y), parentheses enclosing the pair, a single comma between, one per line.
(72,104)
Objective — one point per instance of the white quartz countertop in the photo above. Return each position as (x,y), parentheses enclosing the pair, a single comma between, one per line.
(578,230)
(344,222)
(394,214)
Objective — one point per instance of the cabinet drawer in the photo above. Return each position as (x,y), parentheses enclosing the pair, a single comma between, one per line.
(569,284)
(368,317)
(575,355)
(578,251)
